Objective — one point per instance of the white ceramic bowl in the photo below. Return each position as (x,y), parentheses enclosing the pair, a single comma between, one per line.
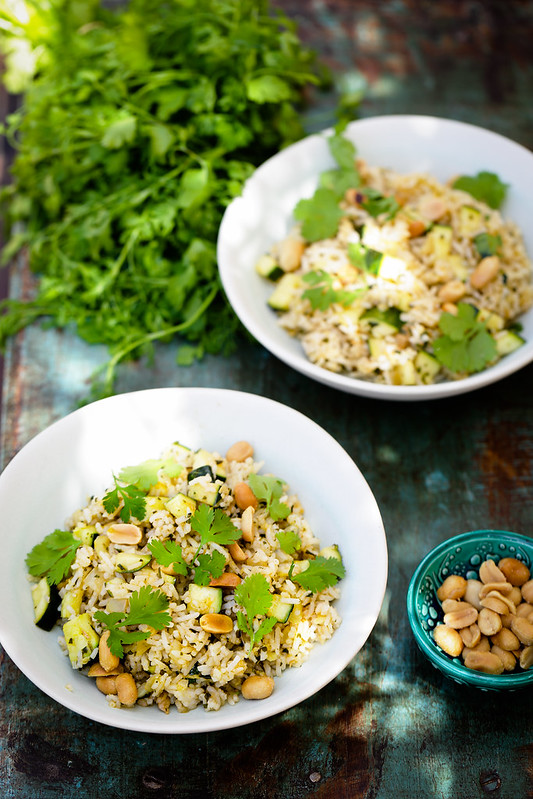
(57,470)
(262,215)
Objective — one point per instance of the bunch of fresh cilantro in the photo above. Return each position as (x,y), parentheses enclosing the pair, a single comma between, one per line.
(137,128)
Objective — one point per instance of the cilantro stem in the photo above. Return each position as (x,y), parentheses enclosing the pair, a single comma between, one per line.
(168,331)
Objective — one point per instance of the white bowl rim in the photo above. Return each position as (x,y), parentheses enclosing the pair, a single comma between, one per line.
(198,720)
(296,359)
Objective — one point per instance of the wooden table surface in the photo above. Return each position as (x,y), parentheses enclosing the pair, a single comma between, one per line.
(389,725)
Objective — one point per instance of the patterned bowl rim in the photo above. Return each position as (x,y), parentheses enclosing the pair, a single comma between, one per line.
(452,668)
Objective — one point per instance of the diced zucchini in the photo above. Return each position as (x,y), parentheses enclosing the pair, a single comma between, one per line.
(71,603)
(458,266)
(220,471)
(154,504)
(81,639)
(131,562)
(382,329)
(492,321)
(391,268)
(204,599)
(208,493)
(439,240)
(85,534)
(181,505)
(203,458)
(331,552)
(427,366)
(377,347)
(279,609)
(287,290)
(45,599)
(404,374)
(390,316)
(268,267)
(200,471)
(507,342)
(101,543)
(470,221)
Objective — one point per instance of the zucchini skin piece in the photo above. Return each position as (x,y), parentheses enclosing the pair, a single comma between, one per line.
(46,601)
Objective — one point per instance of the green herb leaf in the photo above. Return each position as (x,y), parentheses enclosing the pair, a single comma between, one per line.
(485,186)
(487,243)
(466,345)
(133,501)
(269,489)
(213,526)
(321,573)
(147,606)
(289,541)
(209,566)
(320,215)
(254,596)
(145,474)
(322,295)
(53,556)
(168,553)
(377,203)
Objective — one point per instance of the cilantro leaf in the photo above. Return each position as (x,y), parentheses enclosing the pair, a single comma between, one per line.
(377,203)
(466,345)
(145,474)
(147,606)
(53,556)
(254,596)
(322,295)
(321,573)
(168,553)
(320,215)
(485,186)
(487,243)
(364,258)
(133,501)
(213,526)
(209,566)
(269,490)
(289,541)
(343,151)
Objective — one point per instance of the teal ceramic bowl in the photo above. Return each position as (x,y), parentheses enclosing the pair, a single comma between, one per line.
(462,555)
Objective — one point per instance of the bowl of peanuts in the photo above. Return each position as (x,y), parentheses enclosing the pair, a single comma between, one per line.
(470,607)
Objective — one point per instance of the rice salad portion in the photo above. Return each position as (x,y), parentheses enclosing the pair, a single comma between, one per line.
(193,581)
(400,279)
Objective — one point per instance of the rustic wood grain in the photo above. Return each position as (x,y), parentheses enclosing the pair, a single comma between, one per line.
(389,725)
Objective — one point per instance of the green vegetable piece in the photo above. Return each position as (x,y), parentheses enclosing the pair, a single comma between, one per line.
(145,475)
(485,186)
(376,203)
(53,556)
(321,573)
(147,606)
(365,258)
(487,244)
(465,346)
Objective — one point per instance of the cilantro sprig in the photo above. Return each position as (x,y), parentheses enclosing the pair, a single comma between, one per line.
(133,501)
(168,553)
(466,345)
(321,573)
(485,186)
(147,606)
(322,294)
(213,526)
(376,203)
(269,489)
(289,541)
(53,556)
(254,597)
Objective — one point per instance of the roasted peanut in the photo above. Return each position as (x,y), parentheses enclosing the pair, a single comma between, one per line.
(247,524)
(239,451)
(461,618)
(473,588)
(237,553)
(482,646)
(432,207)
(516,572)
(448,639)
(503,588)
(526,657)
(290,254)
(525,610)
(452,291)
(495,601)
(124,533)
(453,587)
(506,657)
(126,689)
(523,629)
(107,685)
(448,605)
(486,662)
(256,687)
(226,580)
(96,670)
(216,623)
(244,496)
(470,636)
(485,271)
(490,573)
(108,660)
(506,639)
(489,621)
(527,591)
(416,227)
